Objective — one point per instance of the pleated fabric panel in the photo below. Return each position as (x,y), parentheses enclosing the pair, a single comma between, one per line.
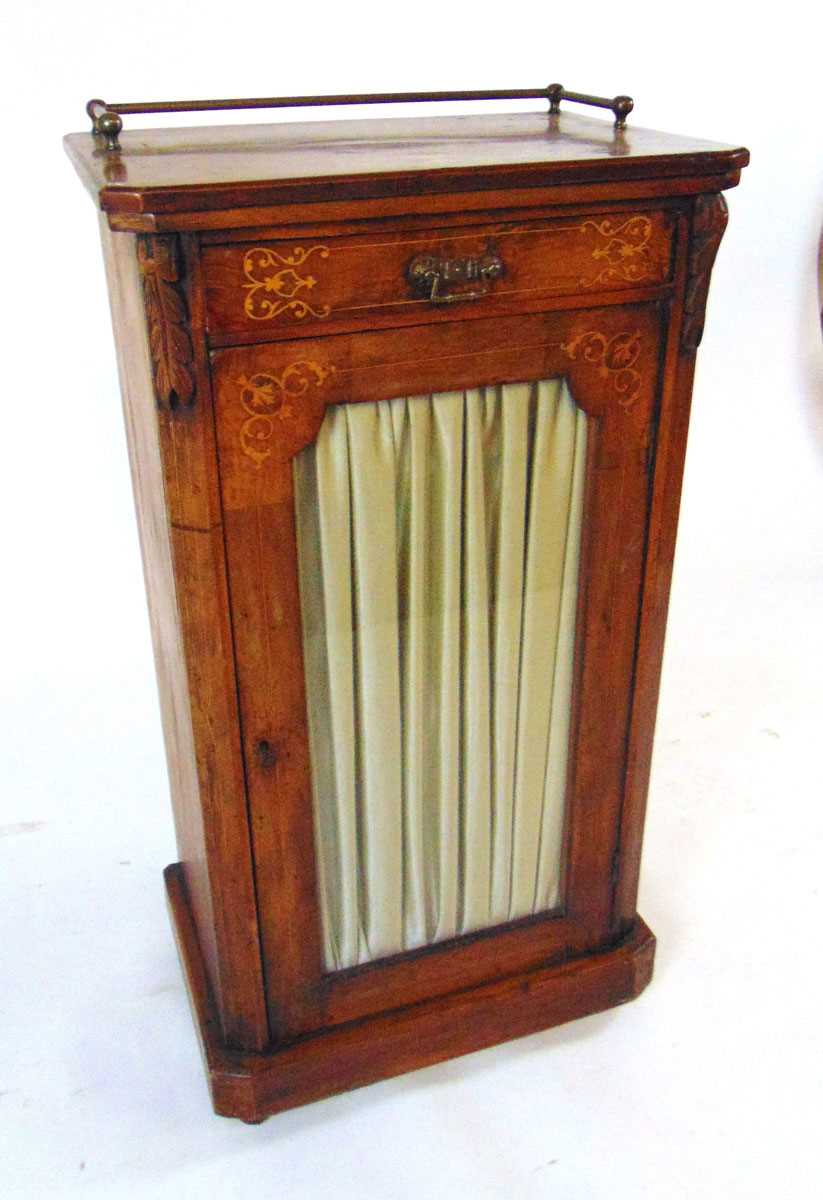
(439,541)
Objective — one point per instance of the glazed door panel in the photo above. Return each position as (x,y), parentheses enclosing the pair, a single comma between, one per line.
(306,429)
(439,540)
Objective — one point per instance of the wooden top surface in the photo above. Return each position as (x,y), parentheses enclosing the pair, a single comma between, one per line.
(208,168)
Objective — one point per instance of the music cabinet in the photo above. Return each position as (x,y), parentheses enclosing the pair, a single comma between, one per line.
(407,404)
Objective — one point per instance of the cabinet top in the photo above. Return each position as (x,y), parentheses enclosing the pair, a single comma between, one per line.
(160,173)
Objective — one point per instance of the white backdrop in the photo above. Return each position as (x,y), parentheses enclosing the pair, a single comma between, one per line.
(708,1086)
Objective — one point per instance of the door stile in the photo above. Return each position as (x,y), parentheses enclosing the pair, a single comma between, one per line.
(261,545)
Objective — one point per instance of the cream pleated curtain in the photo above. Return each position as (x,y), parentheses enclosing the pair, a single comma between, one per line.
(439,543)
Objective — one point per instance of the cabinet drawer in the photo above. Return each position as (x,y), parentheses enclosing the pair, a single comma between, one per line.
(266,286)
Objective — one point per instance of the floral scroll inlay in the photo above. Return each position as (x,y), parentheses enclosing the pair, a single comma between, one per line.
(615,358)
(275,285)
(266,399)
(625,252)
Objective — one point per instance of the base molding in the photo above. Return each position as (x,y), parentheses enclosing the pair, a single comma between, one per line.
(253,1086)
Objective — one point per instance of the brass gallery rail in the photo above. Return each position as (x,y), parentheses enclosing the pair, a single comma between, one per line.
(107,119)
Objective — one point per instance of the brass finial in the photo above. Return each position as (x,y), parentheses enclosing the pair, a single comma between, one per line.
(105,123)
(621,107)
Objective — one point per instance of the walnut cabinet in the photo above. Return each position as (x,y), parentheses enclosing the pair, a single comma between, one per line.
(406,404)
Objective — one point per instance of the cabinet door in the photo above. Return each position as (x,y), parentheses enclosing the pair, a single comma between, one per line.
(435,542)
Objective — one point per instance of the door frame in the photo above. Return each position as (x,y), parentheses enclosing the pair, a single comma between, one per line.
(270,400)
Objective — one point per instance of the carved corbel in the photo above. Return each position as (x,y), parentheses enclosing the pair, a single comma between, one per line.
(167,317)
(711,215)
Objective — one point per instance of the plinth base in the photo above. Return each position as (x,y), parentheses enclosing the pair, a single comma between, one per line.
(253,1086)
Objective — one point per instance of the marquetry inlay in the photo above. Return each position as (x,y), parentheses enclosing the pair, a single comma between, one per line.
(274,285)
(266,401)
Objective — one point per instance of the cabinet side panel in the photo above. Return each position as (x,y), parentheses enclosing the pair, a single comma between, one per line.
(200,840)
(140,416)
(698,239)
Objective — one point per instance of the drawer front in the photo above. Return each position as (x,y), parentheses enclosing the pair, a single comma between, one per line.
(276,287)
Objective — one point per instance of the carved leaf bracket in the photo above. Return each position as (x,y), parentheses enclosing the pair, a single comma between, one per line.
(167,315)
(711,215)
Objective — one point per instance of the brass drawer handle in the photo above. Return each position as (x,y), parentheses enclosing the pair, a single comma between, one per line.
(429,276)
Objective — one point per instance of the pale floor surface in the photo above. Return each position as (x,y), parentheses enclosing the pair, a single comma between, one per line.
(710,1085)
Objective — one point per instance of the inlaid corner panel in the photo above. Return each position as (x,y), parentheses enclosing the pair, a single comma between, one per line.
(434,705)
(265,287)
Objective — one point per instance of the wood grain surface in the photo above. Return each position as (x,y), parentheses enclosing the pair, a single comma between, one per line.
(608,242)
